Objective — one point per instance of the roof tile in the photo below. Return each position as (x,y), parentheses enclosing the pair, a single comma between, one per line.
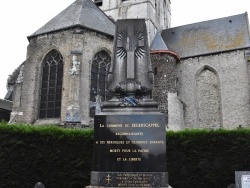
(80,13)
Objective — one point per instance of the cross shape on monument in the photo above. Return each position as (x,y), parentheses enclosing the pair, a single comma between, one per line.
(108,178)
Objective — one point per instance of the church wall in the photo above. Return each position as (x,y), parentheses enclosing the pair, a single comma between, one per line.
(208,98)
(142,10)
(157,16)
(109,4)
(233,86)
(163,13)
(164,92)
(164,67)
(83,42)
(175,113)
(97,44)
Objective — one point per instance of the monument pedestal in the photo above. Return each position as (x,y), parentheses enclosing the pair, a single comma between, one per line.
(129,150)
(129,132)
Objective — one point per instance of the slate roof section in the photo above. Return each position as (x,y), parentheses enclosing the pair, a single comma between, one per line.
(158,43)
(82,13)
(158,46)
(6,105)
(208,37)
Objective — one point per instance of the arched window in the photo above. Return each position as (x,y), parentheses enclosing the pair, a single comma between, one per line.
(99,71)
(51,86)
(208,98)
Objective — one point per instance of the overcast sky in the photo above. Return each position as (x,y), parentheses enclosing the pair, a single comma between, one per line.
(21,18)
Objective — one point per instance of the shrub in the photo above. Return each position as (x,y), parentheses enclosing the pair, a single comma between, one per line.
(62,157)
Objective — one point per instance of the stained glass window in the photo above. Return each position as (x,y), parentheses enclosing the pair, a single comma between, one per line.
(51,86)
(99,71)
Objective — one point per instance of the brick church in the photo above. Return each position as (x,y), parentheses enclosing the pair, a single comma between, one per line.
(202,70)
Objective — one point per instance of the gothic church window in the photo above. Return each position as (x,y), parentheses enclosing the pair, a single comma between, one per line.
(99,71)
(51,86)
(208,98)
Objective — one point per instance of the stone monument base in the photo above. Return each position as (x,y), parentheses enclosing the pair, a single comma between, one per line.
(129,179)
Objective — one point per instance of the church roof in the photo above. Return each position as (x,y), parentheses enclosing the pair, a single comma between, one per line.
(208,37)
(82,13)
(6,105)
(158,46)
(158,43)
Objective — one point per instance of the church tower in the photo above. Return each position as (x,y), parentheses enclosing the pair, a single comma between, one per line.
(156,12)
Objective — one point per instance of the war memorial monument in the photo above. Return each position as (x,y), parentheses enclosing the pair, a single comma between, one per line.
(129,132)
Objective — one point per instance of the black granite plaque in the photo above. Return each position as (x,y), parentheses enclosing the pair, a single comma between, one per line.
(129,143)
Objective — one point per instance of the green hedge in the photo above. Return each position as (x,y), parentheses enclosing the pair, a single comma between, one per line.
(57,157)
(62,157)
(207,159)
